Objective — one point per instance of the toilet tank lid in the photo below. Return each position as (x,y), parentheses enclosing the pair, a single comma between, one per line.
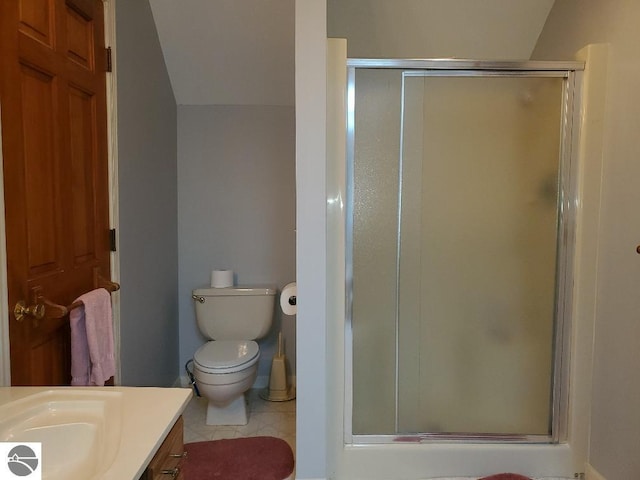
(234,291)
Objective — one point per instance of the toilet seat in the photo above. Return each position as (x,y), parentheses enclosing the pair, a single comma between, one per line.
(226,356)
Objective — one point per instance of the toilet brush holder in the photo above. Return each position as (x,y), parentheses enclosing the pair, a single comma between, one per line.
(279,389)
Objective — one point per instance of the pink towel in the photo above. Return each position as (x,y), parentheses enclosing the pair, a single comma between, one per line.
(92,358)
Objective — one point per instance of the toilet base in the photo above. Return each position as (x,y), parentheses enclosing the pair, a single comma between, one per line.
(233,414)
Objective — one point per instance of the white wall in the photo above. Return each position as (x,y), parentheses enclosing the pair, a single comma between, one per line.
(615,414)
(5,367)
(438,28)
(314,390)
(336,246)
(236,209)
(148,236)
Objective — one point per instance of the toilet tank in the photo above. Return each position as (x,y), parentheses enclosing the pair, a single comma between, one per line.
(234,313)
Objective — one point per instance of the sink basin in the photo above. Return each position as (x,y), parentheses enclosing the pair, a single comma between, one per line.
(79,430)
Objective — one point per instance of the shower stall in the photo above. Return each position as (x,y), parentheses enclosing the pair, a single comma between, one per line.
(460,240)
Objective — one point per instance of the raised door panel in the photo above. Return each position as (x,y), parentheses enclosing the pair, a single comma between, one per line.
(46,367)
(41,171)
(80,45)
(37,20)
(82,164)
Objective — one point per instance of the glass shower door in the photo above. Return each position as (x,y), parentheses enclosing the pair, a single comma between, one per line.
(459,241)
(477,253)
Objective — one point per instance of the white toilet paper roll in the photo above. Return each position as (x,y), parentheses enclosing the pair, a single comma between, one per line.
(288,300)
(222,278)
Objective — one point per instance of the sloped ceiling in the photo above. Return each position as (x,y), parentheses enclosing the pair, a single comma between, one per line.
(241,52)
(228,52)
(477,29)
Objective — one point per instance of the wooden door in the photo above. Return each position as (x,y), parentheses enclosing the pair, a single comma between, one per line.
(54,146)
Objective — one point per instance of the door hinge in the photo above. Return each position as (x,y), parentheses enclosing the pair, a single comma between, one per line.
(112,239)
(109,65)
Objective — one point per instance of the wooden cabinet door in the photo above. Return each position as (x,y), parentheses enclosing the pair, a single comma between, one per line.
(168,460)
(54,148)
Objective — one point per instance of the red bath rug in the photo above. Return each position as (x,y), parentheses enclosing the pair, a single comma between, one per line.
(504,476)
(251,458)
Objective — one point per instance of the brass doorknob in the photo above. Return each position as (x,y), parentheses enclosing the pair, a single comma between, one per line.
(21,310)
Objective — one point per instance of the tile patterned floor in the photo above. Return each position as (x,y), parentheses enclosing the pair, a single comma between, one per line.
(276,419)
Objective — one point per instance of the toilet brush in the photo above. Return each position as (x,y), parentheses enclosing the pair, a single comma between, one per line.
(279,389)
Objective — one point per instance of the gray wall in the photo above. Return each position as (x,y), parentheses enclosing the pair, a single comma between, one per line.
(236,208)
(615,416)
(148,243)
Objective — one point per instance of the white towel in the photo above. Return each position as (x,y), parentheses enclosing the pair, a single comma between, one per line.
(92,350)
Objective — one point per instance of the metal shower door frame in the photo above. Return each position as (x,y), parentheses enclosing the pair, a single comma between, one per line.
(571,72)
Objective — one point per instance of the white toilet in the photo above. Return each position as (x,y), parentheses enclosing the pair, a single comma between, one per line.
(226,367)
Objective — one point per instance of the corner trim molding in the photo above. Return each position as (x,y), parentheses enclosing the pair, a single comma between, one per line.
(592,474)
(112,140)
(5,358)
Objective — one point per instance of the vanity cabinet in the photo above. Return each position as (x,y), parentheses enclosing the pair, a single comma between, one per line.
(168,460)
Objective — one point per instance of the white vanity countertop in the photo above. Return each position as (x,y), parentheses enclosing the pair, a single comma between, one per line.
(148,414)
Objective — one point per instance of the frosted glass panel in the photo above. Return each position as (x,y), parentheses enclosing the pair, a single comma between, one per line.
(375,232)
(478,254)
(454,212)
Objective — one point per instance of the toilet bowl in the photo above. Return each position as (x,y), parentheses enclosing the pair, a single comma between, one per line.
(226,366)
(224,370)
